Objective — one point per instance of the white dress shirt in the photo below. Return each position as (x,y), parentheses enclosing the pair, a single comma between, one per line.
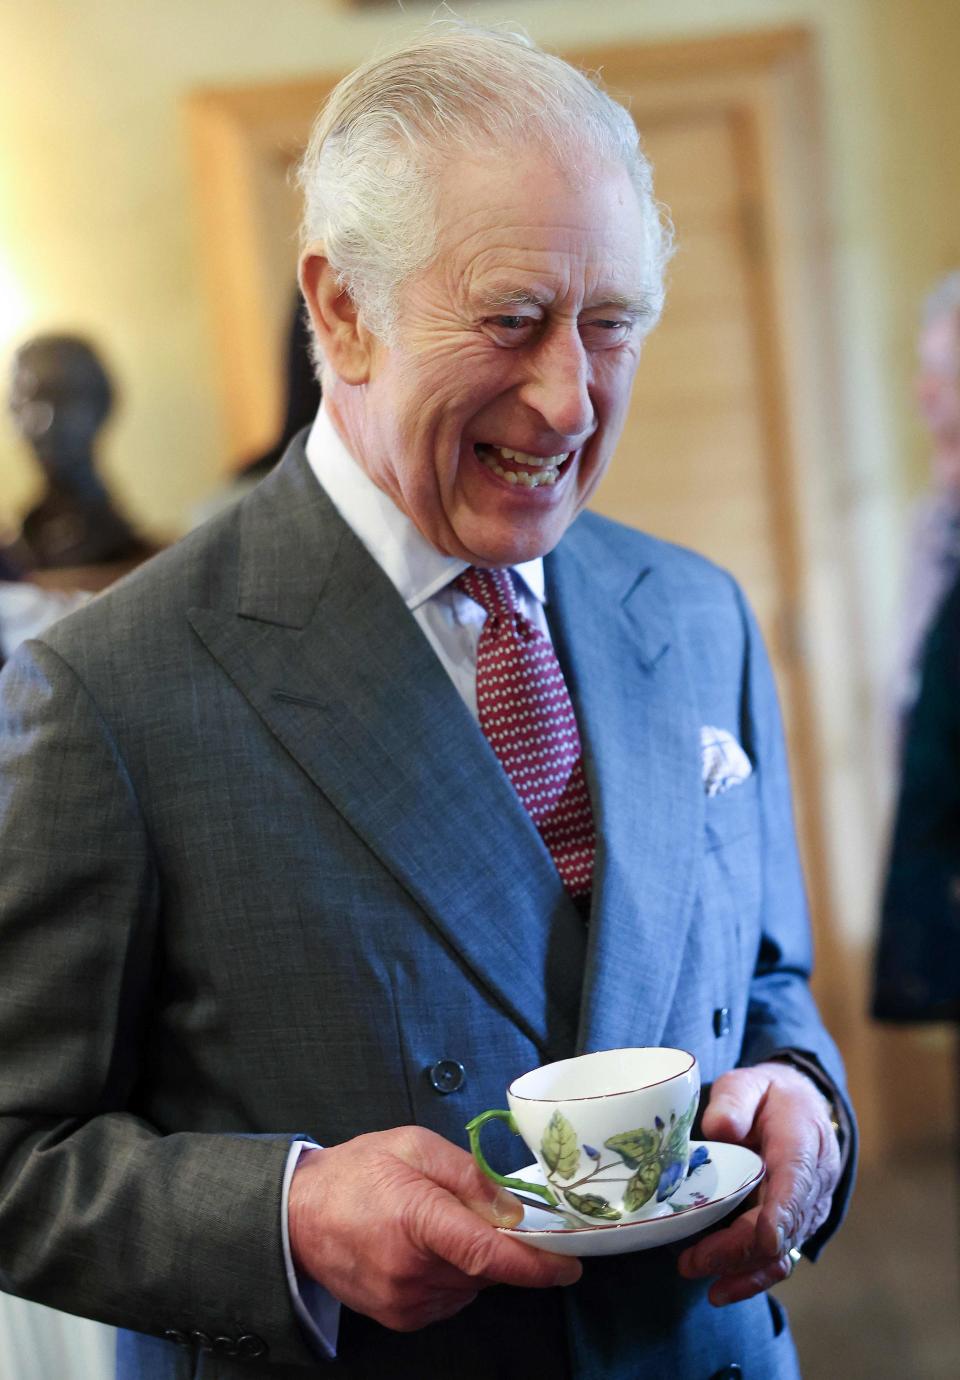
(451,622)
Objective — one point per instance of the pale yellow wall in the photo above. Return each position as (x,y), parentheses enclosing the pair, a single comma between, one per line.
(95,216)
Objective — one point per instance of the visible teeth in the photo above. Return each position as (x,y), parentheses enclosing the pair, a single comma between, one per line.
(535,462)
(548,467)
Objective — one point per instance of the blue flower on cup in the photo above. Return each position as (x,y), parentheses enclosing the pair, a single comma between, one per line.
(669,1179)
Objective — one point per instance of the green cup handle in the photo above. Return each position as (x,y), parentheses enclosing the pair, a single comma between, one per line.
(473,1131)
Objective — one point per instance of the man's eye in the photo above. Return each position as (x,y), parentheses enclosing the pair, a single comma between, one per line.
(605,331)
(513,323)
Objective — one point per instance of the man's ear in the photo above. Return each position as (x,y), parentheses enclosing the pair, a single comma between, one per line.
(344,340)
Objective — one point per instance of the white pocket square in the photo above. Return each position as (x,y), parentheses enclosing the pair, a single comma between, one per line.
(724,761)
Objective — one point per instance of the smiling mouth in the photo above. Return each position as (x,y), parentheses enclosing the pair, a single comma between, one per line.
(519,467)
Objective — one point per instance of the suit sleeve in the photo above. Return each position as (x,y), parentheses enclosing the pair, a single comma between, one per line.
(100,1213)
(782,1017)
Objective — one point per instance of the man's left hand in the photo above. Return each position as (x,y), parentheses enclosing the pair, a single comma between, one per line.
(781,1114)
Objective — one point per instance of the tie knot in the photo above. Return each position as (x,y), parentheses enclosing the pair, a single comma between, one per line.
(491,589)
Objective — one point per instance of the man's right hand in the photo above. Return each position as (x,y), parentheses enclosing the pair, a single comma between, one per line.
(400,1225)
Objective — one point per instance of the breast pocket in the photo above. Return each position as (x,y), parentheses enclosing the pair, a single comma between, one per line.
(732,876)
(731,815)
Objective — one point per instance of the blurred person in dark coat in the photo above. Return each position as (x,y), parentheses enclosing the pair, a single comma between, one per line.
(918,955)
(301,400)
(933,553)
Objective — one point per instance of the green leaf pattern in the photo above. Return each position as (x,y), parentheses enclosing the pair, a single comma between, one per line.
(635,1148)
(676,1144)
(591,1205)
(559,1147)
(642,1186)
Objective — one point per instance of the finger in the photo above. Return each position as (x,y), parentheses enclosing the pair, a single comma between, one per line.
(734,1102)
(785,1209)
(731,1250)
(787,1223)
(799,1186)
(736,1288)
(446,1228)
(459,1174)
(499,1209)
(737,1250)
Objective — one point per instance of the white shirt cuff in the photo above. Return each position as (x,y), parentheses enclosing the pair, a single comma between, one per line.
(315,1307)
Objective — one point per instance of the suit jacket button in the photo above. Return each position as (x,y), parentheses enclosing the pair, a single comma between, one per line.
(721,1021)
(731,1372)
(202,1341)
(251,1346)
(178,1338)
(447,1076)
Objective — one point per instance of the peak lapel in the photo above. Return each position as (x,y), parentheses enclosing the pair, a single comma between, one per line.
(638,720)
(327,653)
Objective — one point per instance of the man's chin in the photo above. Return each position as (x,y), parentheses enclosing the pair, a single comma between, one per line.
(492,539)
(512,550)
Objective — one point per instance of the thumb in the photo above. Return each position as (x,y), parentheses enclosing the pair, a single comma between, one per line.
(458,1172)
(734,1102)
(495,1205)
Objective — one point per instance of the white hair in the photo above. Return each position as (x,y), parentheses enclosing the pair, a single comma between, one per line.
(369,174)
(943,299)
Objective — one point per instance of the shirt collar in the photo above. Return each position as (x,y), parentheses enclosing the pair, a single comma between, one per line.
(415,567)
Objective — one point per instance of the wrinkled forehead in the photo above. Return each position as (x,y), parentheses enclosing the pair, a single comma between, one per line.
(522,231)
(529,178)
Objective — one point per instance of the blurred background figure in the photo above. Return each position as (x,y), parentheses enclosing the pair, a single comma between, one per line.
(301,400)
(933,557)
(60,395)
(918,954)
(302,391)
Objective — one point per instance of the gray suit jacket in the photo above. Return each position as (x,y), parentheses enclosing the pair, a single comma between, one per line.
(261,870)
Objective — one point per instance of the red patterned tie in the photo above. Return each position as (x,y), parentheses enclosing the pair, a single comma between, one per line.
(526,714)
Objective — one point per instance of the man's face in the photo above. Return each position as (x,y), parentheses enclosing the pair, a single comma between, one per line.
(938,386)
(496,411)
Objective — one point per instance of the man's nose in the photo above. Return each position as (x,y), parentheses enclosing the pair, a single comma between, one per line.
(558,387)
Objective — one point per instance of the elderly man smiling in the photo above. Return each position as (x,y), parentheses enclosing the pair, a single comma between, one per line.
(401,778)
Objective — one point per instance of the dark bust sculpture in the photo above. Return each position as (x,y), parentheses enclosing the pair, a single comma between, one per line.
(60,396)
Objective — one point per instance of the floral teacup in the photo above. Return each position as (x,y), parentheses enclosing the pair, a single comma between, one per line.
(610,1130)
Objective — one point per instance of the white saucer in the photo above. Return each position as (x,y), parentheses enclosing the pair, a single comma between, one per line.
(709,1193)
